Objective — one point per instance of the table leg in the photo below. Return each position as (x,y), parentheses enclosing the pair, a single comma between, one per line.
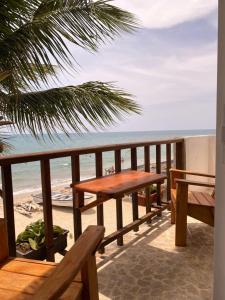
(119,219)
(78,201)
(100,221)
(148,203)
(135,208)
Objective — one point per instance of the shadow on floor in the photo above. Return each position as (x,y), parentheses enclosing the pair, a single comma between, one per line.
(149,266)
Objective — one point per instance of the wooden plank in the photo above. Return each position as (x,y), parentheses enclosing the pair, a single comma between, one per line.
(119,208)
(100,208)
(71,264)
(147,169)
(147,158)
(158,171)
(119,219)
(77,204)
(181,215)
(112,237)
(90,279)
(78,197)
(7,194)
(117,184)
(47,208)
(28,157)
(4,249)
(168,167)
(135,194)
(23,284)
(118,161)
(180,155)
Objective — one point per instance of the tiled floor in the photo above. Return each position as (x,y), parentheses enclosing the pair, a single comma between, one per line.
(149,266)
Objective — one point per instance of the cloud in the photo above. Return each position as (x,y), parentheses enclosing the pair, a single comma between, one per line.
(167,13)
(171,72)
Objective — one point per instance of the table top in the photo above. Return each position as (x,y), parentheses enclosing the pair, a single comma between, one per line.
(119,183)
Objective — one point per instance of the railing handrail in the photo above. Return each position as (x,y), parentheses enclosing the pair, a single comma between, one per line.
(36,156)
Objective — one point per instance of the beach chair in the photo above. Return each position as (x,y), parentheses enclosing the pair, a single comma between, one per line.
(75,277)
(197,204)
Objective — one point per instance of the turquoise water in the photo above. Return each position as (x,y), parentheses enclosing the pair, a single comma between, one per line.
(26,177)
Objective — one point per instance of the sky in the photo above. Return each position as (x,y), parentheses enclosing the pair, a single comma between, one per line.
(168,64)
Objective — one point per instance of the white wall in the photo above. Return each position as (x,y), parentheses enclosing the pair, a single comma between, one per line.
(200,156)
(201,153)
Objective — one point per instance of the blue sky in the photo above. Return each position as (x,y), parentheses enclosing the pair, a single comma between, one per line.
(169,64)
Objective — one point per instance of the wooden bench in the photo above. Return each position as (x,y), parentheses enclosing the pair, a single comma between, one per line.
(196,204)
(75,277)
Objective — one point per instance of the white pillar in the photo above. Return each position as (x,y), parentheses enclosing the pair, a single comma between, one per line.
(219,249)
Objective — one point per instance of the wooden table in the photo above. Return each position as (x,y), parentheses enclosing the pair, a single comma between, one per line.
(115,186)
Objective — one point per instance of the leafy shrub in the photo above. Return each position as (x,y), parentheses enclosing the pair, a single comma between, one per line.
(33,237)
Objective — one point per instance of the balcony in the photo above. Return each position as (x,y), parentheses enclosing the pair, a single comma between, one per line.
(148,265)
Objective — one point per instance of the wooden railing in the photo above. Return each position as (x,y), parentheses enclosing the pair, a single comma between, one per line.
(7,161)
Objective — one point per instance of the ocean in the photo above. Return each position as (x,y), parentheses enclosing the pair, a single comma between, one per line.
(26,177)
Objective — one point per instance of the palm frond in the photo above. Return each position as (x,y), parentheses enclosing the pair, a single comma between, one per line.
(5,145)
(94,104)
(41,37)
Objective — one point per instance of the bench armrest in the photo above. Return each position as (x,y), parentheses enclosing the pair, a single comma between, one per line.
(192,182)
(71,264)
(192,173)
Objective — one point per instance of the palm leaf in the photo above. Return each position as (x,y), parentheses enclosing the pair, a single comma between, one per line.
(41,36)
(94,104)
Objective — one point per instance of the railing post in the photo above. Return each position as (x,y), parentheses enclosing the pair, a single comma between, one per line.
(134,195)
(47,208)
(180,155)
(7,194)
(168,167)
(100,209)
(158,171)
(78,197)
(147,190)
(119,207)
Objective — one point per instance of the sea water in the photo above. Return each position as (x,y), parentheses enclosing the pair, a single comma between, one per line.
(26,177)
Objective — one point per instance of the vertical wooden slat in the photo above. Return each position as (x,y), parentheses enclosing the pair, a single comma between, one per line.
(47,208)
(7,194)
(134,195)
(78,197)
(100,210)
(158,171)
(180,156)
(168,167)
(147,158)
(119,207)
(147,169)
(117,161)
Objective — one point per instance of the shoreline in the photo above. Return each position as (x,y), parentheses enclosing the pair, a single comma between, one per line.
(64,185)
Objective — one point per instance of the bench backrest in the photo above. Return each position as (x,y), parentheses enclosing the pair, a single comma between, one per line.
(4,253)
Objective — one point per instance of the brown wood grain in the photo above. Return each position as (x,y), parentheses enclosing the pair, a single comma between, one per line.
(7,194)
(71,264)
(181,215)
(120,183)
(168,167)
(4,250)
(28,157)
(47,208)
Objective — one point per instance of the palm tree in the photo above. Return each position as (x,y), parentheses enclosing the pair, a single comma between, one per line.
(34,38)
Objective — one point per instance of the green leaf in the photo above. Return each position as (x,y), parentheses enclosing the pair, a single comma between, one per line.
(33,244)
(34,39)
(95,104)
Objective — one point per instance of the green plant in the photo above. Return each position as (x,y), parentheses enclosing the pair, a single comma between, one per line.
(35,40)
(33,237)
(152,187)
